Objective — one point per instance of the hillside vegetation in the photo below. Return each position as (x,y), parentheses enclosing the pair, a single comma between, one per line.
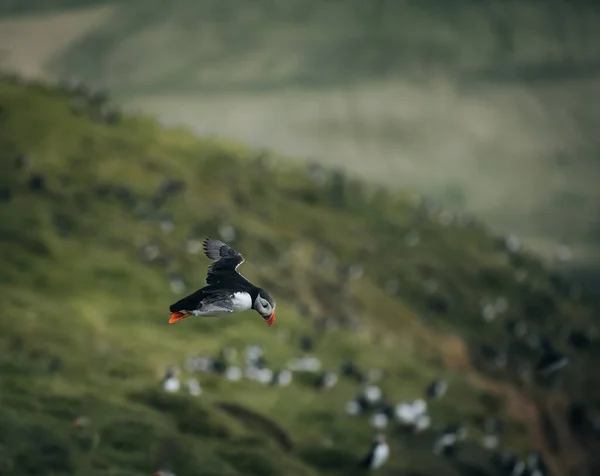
(485,105)
(87,273)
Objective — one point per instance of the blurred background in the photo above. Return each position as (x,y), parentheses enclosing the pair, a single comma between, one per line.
(416,182)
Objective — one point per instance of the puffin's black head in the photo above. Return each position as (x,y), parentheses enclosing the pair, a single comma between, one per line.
(264,304)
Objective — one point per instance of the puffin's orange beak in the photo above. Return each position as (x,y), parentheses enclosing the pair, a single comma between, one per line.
(177,316)
(270,319)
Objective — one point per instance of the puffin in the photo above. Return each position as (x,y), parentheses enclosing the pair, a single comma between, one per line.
(227,290)
(377,456)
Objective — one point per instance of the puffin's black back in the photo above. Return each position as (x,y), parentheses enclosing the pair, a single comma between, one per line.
(222,278)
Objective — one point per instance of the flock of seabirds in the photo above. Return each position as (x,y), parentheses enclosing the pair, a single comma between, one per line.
(227,291)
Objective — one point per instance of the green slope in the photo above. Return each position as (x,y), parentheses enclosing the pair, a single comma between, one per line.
(387,79)
(83,320)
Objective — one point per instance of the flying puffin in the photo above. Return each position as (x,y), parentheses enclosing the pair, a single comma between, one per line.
(227,290)
(378,455)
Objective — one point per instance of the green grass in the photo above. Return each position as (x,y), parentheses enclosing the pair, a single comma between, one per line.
(86,302)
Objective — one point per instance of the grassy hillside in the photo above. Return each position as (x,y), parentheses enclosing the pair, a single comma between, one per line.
(450,99)
(485,105)
(86,276)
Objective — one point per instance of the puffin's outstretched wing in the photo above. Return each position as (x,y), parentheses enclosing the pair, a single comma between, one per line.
(226,262)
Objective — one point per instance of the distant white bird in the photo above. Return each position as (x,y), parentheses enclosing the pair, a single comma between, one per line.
(444,443)
(422,422)
(233,373)
(305,364)
(372,394)
(405,413)
(379,421)
(378,455)
(264,376)
(193,387)
(408,412)
(163,472)
(282,378)
(171,385)
(327,380)
(490,442)
(437,389)
(353,407)
(170,382)
(419,406)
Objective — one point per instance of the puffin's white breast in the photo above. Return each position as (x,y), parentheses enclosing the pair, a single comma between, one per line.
(382,451)
(241,301)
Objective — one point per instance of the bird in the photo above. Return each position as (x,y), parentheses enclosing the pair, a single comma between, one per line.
(551,360)
(378,455)
(163,472)
(437,389)
(227,291)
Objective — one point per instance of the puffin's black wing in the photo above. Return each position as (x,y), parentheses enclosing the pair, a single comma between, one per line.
(226,262)
(205,300)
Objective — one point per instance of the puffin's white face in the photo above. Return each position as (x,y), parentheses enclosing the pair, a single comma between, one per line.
(265,306)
